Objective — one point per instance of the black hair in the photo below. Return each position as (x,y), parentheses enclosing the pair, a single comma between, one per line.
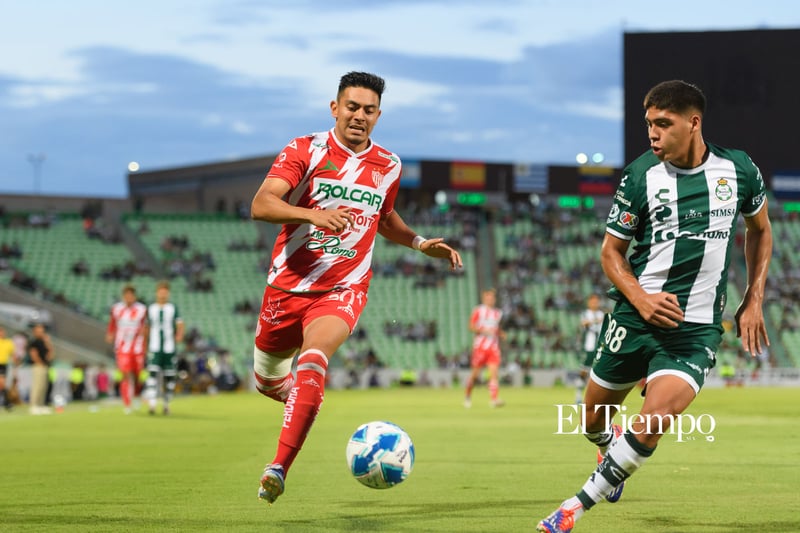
(362,79)
(677,96)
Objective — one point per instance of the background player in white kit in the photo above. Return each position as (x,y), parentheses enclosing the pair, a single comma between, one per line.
(591,322)
(165,331)
(332,192)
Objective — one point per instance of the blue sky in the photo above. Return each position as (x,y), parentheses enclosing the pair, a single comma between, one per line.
(90,85)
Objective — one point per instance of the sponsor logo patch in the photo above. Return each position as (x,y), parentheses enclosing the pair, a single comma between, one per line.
(628,220)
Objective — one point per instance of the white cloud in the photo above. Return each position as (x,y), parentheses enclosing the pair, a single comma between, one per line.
(33,95)
(611,108)
(241,127)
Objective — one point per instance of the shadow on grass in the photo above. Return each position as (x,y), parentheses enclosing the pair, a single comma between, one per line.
(759,523)
(363,516)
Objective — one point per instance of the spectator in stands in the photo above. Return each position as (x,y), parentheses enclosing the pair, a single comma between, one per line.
(20,341)
(40,357)
(6,359)
(184,368)
(77,377)
(103,382)
(245,307)
(41,220)
(201,376)
(317,286)
(226,378)
(241,210)
(11,251)
(80,267)
(199,283)
(23,281)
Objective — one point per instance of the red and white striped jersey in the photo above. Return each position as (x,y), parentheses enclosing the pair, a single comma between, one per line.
(486,320)
(324,174)
(127,326)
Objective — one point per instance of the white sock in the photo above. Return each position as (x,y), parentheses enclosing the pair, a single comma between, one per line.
(621,461)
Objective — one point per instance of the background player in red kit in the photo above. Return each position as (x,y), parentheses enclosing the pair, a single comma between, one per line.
(127,330)
(485,324)
(333,192)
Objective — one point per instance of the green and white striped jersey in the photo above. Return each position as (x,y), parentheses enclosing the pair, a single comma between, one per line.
(163,320)
(683,222)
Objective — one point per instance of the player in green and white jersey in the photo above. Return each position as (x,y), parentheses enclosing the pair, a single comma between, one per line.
(679,203)
(592,318)
(165,326)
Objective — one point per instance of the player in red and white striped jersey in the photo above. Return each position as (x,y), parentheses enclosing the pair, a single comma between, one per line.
(485,324)
(127,330)
(333,192)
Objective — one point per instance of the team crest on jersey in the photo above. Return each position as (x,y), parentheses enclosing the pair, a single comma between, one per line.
(377,178)
(270,312)
(723,190)
(628,220)
(612,216)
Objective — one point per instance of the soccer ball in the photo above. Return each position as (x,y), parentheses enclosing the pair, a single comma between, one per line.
(380,454)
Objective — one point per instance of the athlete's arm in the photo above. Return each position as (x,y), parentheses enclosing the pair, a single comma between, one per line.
(179,330)
(394,228)
(268,205)
(48,343)
(111,330)
(146,335)
(34,355)
(750,325)
(473,322)
(660,309)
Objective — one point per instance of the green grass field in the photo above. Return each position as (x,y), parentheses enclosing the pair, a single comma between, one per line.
(480,470)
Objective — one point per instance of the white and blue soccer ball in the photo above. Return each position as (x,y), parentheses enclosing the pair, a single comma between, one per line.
(380,454)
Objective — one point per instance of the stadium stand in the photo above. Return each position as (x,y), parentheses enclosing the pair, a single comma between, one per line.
(783,284)
(49,252)
(215,269)
(409,289)
(543,260)
(238,277)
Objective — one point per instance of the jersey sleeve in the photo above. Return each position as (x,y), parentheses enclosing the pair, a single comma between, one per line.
(473,318)
(626,212)
(112,322)
(391,196)
(292,163)
(756,190)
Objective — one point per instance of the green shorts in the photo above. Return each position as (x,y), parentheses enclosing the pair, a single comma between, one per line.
(162,360)
(588,359)
(631,349)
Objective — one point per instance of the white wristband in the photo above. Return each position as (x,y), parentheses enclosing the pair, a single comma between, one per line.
(417,242)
